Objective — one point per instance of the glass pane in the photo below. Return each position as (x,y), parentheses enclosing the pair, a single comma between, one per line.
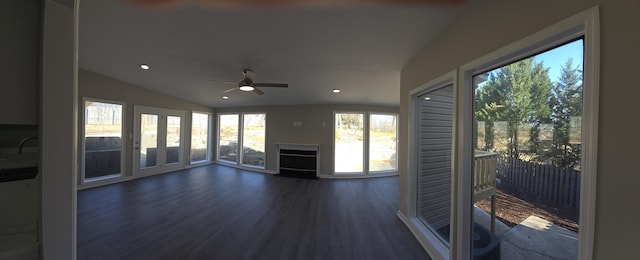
(435,133)
(527,120)
(173,139)
(349,144)
(103,139)
(228,144)
(148,140)
(382,143)
(199,137)
(253,129)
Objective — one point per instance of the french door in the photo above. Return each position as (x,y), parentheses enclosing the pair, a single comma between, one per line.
(158,143)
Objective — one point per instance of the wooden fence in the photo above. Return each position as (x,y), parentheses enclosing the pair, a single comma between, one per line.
(546,182)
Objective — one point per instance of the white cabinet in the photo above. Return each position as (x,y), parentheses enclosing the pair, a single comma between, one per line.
(20,48)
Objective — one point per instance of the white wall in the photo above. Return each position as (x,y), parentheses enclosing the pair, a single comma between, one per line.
(486,26)
(58,134)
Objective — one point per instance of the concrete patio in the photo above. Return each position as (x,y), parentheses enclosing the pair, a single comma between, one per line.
(533,238)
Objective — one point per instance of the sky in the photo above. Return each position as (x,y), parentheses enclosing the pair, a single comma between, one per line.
(554,59)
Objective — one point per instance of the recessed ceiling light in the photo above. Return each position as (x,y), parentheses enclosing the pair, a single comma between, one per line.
(225,97)
(144,66)
(427,98)
(335,90)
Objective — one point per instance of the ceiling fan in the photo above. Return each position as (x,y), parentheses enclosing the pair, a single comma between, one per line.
(247,84)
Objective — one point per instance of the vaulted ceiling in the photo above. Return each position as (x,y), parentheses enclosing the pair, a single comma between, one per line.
(195,51)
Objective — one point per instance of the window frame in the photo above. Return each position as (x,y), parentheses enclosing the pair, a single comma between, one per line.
(366,143)
(583,25)
(429,240)
(83,180)
(209,139)
(241,143)
(238,163)
(365,138)
(218,138)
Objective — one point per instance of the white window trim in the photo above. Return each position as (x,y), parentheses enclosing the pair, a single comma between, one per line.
(429,240)
(83,180)
(365,139)
(241,145)
(584,24)
(238,163)
(209,139)
(366,172)
(368,145)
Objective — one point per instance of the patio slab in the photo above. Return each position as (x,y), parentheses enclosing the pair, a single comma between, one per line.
(536,238)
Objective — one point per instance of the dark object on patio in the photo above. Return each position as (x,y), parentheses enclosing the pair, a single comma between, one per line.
(486,245)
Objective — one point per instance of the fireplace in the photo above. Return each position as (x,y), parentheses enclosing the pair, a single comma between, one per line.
(299,160)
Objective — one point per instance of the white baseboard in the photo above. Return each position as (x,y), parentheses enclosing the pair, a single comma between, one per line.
(356,176)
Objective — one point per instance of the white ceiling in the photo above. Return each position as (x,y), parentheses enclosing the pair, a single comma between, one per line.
(192,50)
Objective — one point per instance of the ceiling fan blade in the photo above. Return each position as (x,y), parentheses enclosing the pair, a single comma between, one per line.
(229,90)
(272,85)
(257,91)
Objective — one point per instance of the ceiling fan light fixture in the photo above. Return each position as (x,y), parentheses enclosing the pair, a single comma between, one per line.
(247,88)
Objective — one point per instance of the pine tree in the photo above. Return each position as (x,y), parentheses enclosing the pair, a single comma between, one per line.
(567,103)
(518,94)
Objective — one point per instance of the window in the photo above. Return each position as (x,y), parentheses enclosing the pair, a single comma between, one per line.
(383,142)
(200,150)
(103,142)
(431,145)
(173,139)
(253,139)
(515,101)
(434,134)
(540,105)
(480,136)
(349,143)
(247,130)
(365,137)
(228,138)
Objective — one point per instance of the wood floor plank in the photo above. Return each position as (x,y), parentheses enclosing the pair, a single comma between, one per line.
(217,212)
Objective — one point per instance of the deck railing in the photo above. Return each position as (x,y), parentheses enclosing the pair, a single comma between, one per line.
(484,180)
(484,175)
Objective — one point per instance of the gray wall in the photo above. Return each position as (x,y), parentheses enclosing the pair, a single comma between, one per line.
(486,26)
(93,85)
(20,51)
(317,127)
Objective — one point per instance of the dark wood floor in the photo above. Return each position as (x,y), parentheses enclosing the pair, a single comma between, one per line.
(217,212)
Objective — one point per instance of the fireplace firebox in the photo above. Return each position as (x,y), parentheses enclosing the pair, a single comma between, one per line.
(299,160)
